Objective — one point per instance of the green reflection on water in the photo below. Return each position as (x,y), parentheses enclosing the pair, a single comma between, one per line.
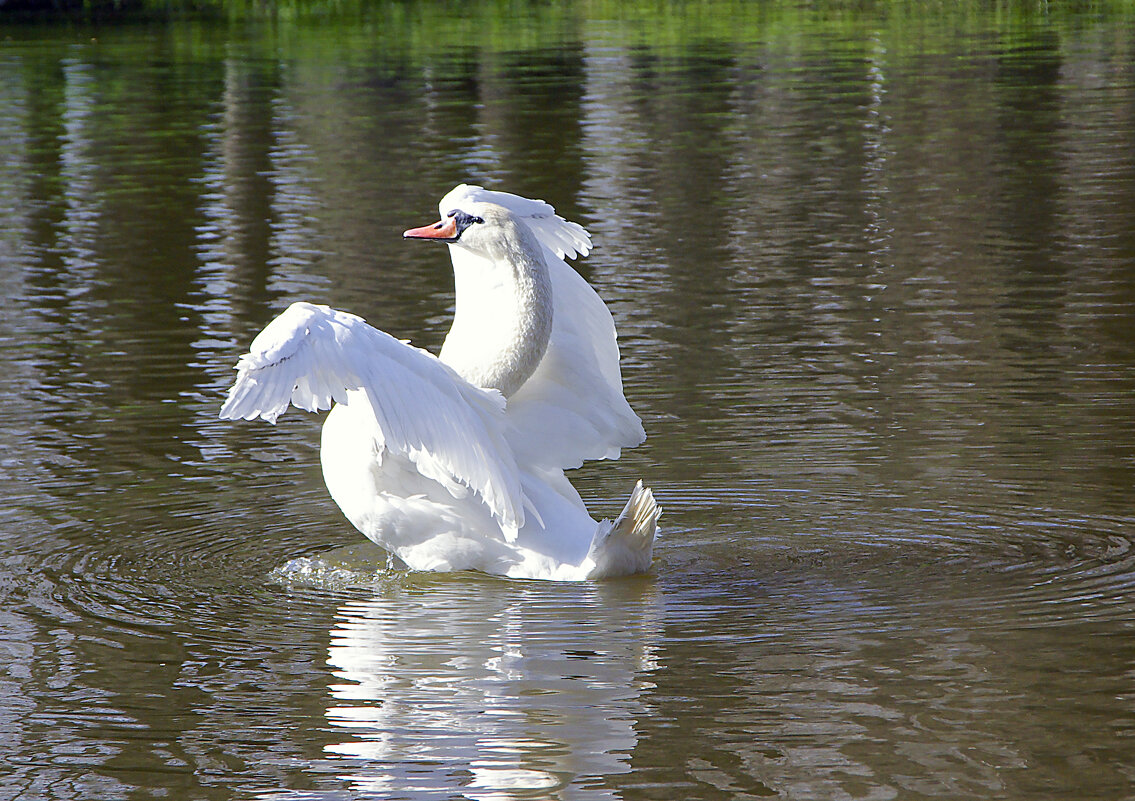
(428,27)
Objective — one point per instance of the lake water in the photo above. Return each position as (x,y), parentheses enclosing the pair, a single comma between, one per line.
(874,276)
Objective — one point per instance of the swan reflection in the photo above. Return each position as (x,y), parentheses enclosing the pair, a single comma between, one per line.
(492,690)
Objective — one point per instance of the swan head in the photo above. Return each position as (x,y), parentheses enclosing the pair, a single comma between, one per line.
(502,322)
(482,227)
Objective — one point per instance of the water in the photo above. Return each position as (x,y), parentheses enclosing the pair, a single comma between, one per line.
(873,278)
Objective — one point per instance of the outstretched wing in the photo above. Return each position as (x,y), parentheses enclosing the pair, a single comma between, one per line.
(312,356)
(572,408)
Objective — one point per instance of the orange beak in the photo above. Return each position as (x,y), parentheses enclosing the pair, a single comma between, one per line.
(444,230)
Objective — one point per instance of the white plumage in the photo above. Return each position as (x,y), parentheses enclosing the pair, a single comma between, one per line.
(425,455)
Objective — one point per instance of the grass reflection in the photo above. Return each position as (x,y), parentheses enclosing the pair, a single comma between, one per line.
(507,24)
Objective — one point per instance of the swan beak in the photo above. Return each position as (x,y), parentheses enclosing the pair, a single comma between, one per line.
(446,230)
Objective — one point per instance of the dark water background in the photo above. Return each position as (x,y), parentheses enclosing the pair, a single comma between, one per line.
(874,276)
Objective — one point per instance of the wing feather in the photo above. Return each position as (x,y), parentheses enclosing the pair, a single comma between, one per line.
(312,356)
(572,408)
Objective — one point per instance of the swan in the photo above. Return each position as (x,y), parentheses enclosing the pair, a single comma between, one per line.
(456,461)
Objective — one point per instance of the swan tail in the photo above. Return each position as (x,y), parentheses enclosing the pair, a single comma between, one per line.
(626,546)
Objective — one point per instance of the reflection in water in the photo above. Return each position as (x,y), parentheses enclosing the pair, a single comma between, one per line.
(813,682)
(255,242)
(492,690)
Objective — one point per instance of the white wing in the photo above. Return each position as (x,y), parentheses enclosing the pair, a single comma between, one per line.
(311,356)
(565,239)
(572,408)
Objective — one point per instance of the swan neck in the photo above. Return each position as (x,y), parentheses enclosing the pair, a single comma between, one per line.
(503,317)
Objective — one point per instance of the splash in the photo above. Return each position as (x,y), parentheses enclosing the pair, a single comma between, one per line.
(362,565)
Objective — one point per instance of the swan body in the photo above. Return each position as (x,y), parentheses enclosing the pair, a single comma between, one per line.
(456,462)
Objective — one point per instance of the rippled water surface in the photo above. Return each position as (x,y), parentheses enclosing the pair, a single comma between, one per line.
(874,276)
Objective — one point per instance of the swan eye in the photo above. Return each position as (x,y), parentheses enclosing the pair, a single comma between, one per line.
(463,219)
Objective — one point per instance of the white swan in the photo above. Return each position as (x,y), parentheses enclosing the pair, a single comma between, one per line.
(457,462)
